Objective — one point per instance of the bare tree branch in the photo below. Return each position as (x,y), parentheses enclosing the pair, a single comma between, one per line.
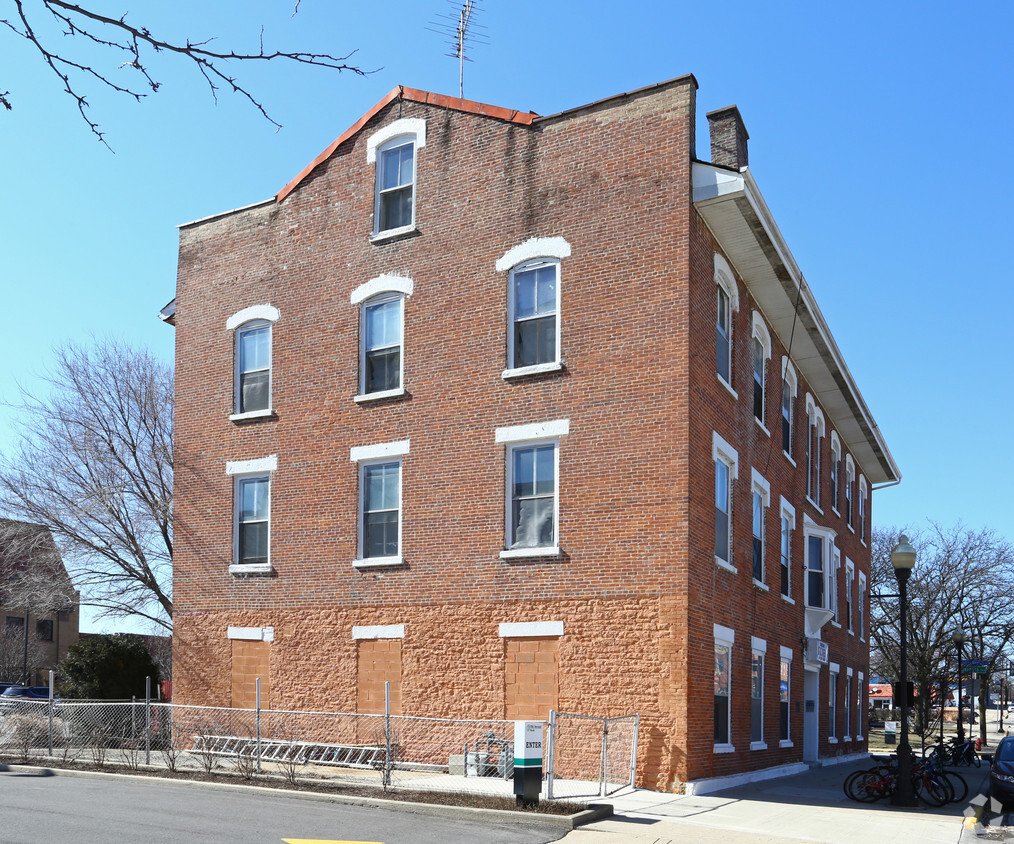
(136,46)
(95,467)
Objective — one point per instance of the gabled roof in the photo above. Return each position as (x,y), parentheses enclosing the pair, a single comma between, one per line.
(31,566)
(416,96)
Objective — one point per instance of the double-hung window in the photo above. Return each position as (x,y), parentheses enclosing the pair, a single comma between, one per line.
(382,327)
(848,704)
(758,650)
(251,529)
(832,592)
(535,312)
(726,459)
(724,641)
(861,606)
(832,704)
(850,578)
(726,302)
(789,383)
(761,353)
(393,149)
(850,476)
(788,523)
(822,557)
(379,522)
(835,470)
(814,435)
(784,678)
(862,509)
(761,497)
(252,334)
(532,494)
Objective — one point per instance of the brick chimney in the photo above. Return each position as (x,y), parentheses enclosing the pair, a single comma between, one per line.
(728,138)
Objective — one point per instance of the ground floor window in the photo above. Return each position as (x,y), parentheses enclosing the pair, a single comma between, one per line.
(783,699)
(757,698)
(722,715)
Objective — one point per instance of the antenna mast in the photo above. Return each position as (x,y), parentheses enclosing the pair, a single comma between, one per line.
(458,28)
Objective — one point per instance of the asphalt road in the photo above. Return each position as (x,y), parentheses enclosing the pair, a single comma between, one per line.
(35,808)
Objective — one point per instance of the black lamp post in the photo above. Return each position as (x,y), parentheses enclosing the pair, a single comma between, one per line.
(903,560)
(959,637)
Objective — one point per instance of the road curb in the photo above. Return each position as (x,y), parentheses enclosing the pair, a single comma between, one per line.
(594,812)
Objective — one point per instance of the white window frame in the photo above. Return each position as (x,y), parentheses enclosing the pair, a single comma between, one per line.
(515,370)
(726,280)
(833,596)
(723,452)
(832,703)
(241,471)
(827,537)
(255,316)
(531,436)
(395,134)
(815,431)
(761,338)
(758,648)
(850,578)
(861,602)
(377,290)
(862,692)
(376,455)
(785,655)
(847,715)
(850,479)
(835,478)
(861,515)
(786,518)
(759,489)
(791,381)
(726,637)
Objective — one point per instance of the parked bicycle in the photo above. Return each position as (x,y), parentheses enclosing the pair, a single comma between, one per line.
(931,782)
(954,752)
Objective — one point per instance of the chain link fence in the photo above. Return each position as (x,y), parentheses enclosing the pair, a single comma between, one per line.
(585,756)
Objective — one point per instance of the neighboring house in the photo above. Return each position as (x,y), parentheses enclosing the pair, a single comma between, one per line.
(522,413)
(38,604)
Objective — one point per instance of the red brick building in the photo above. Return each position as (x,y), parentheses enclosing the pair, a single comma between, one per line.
(521,413)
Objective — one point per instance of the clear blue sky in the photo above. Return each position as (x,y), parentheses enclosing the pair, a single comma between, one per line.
(880,133)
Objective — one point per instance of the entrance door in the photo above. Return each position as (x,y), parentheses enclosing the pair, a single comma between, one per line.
(811,714)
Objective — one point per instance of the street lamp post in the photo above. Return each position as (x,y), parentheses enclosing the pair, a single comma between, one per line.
(959,637)
(903,560)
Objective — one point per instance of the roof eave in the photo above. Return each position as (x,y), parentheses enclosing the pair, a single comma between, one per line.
(734,209)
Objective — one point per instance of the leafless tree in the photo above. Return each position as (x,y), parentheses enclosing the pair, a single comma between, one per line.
(95,467)
(963,578)
(83,48)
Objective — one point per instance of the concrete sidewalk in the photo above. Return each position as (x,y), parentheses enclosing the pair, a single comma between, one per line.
(806,807)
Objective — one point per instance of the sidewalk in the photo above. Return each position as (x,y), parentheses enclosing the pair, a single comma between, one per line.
(806,807)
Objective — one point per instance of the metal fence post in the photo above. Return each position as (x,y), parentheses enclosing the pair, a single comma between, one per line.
(605,757)
(633,750)
(551,754)
(387,734)
(258,687)
(147,720)
(50,712)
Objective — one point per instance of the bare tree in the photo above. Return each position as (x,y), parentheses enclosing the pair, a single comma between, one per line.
(963,578)
(95,467)
(84,48)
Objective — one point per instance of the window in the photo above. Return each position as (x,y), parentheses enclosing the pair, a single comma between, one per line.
(252,329)
(380,510)
(393,149)
(835,470)
(758,649)
(253,518)
(788,523)
(381,332)
(44,630)
(761,353)
(850,474)
(862,692)
(15,622)
(379,519)
(761,496)
(848,704)
(814,434)
(784,674)
(821,560)
(850,576)
(788,401)
(862,509)
(832,594)
(534,306)
(724,640)
(832,701)
(726,460)
(532,488)
(861,605)
(726,301)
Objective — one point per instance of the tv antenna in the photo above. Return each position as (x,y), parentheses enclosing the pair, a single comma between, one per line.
(459,28)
